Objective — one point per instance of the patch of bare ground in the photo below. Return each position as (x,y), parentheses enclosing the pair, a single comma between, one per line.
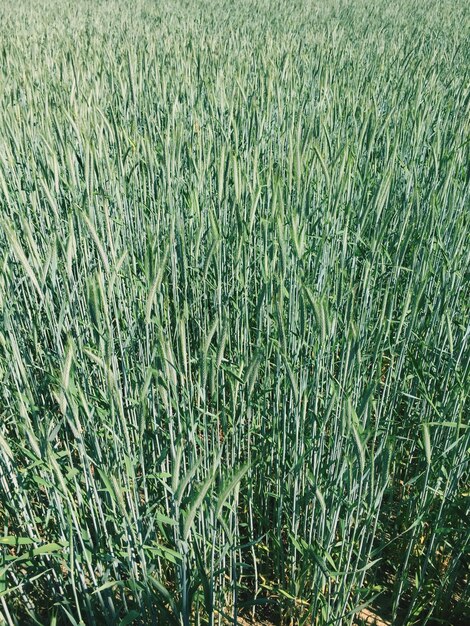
(367,617)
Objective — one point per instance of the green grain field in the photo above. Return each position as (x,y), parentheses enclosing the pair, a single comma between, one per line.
(234,312)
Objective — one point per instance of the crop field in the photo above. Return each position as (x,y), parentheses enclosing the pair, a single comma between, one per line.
(234,312)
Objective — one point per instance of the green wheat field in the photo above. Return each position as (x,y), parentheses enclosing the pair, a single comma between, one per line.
(234,312)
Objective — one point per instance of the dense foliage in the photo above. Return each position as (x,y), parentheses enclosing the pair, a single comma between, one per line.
(234,311)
